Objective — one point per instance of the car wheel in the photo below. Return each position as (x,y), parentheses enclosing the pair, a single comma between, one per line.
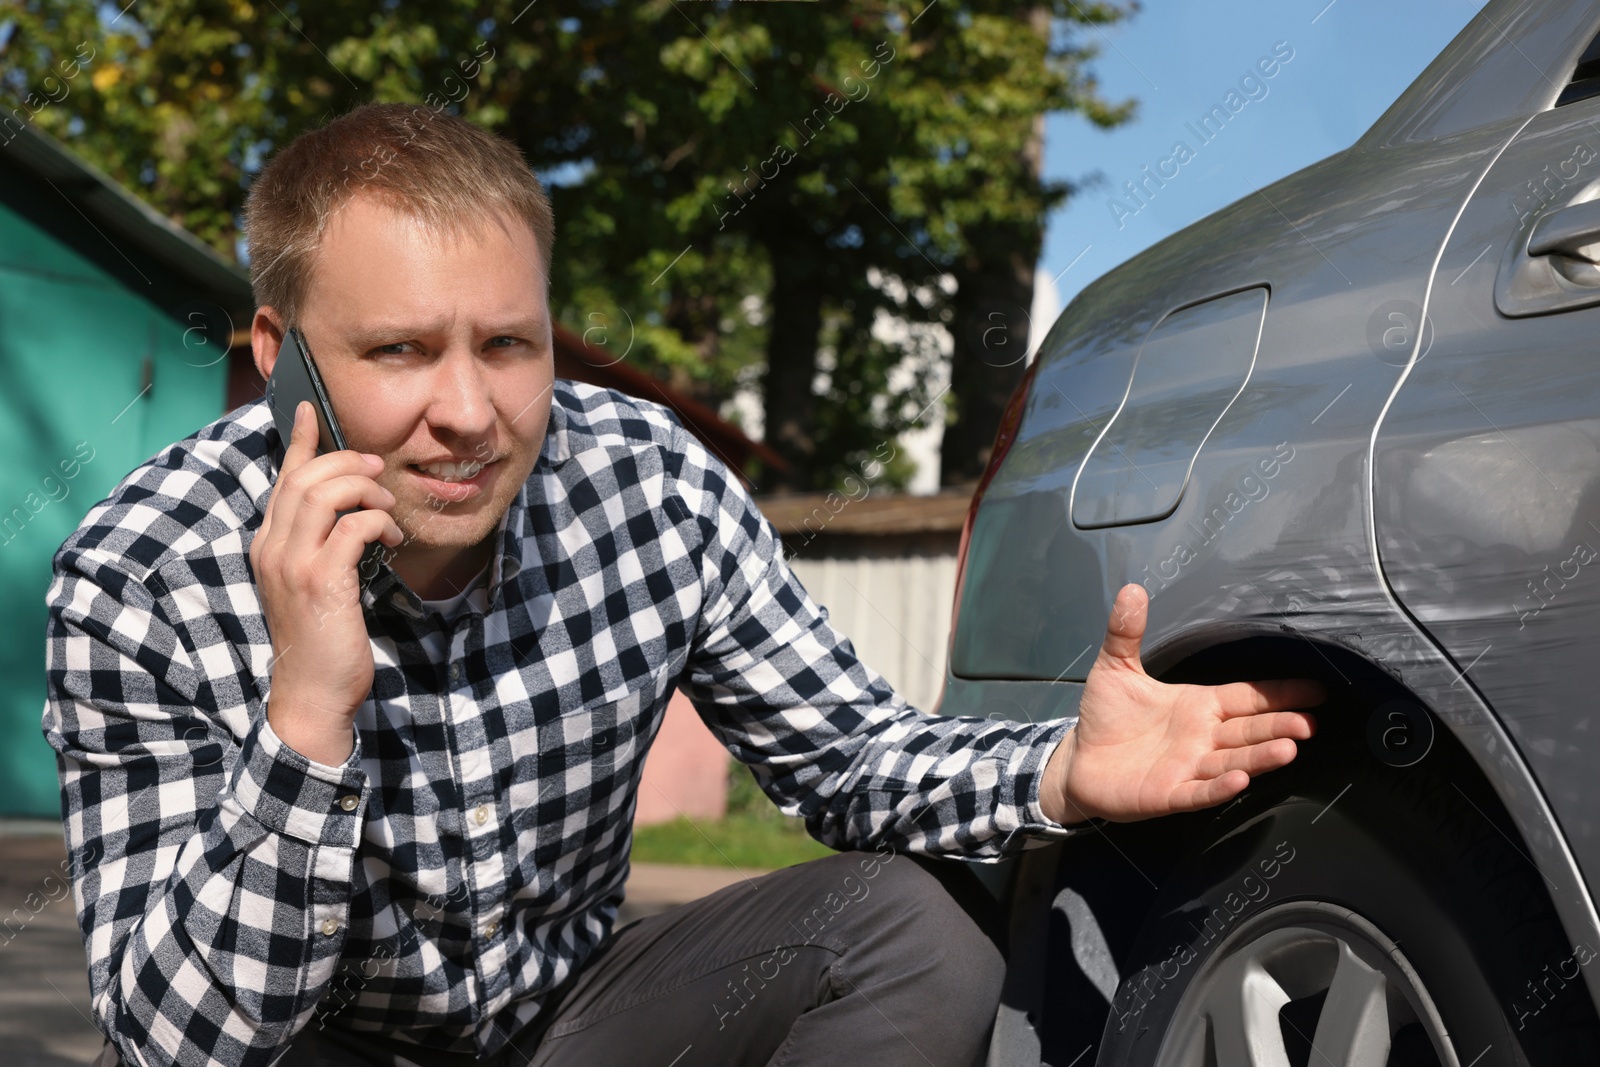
(1374,917)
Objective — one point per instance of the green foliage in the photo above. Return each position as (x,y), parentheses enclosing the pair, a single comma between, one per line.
(743,842)
(693,147)
(745,797)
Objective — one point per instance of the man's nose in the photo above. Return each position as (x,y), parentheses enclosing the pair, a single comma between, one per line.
(462,398)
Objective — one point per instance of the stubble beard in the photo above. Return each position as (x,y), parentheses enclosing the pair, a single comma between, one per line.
(429,523)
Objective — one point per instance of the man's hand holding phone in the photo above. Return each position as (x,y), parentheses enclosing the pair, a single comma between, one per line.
(305,559)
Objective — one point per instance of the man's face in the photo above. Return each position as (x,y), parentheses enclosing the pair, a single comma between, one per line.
(434,347)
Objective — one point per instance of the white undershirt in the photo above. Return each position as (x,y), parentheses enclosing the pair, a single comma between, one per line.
(477,589)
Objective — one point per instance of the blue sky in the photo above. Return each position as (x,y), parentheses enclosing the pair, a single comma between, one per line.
(1350,60)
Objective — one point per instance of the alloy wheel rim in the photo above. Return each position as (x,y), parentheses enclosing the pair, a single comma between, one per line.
(1307,984)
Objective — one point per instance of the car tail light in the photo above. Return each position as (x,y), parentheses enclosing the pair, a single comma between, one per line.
(1010,420)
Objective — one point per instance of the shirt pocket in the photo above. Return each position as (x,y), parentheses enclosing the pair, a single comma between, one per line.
(599,748)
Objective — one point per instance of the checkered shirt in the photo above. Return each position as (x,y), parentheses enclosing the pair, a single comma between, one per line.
(471,852)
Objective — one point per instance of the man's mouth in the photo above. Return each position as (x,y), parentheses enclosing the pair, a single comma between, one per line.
(456,481)
(452,471)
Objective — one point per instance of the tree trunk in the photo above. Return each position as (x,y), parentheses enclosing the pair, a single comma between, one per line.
(695,318)
(992,306)
(991,313)
(786,398)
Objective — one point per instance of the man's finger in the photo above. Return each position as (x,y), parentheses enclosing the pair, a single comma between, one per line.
(1252,760)
(1194,796)
(1253,729)
(303,436)
(1281,694)
(299,436)
(1125,631)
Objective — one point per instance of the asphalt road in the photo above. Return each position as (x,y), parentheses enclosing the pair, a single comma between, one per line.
(44,990)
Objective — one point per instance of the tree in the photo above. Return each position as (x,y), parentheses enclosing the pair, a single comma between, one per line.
(726,177)
(929,164)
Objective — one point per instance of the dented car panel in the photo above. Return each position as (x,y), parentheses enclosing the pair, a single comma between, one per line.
(1407,473)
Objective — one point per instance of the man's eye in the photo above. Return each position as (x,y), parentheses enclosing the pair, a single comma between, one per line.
(399,348)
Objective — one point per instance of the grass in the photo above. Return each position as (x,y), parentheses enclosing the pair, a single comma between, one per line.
(753,834)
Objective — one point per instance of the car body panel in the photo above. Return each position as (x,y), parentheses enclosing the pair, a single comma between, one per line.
(1351,249)
(1487,475)
(1343,240)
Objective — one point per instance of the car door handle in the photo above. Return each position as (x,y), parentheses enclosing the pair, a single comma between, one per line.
(1552,263)
(1566,231)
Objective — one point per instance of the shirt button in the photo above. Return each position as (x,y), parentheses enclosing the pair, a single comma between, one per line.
(491,929)
(330,926)
(455,673)
(349,803)
(482,814)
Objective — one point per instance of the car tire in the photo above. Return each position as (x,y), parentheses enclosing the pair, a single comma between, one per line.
(1378,911)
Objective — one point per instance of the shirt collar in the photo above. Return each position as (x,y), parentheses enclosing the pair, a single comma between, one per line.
(558,434)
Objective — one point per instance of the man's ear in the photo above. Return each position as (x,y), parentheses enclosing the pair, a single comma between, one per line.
(266,336)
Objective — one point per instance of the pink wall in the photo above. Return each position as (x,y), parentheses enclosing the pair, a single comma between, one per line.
(686,772)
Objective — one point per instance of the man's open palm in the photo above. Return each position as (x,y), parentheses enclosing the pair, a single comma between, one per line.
(1143,748)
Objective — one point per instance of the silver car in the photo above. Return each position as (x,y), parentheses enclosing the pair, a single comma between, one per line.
(1347,427)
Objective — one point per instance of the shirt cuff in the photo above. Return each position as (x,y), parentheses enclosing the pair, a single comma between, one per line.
(1037,829)
(298,797)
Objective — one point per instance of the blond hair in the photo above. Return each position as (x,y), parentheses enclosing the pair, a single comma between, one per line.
(440,168)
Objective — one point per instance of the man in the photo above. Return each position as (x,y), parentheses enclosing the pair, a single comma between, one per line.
(321,819)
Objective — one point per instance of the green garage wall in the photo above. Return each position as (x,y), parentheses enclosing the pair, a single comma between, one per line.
(74,342)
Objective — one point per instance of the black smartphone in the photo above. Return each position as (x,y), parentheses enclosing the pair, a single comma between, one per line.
(295,378)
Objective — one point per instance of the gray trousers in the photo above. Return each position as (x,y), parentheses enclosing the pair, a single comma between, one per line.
(878,958)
